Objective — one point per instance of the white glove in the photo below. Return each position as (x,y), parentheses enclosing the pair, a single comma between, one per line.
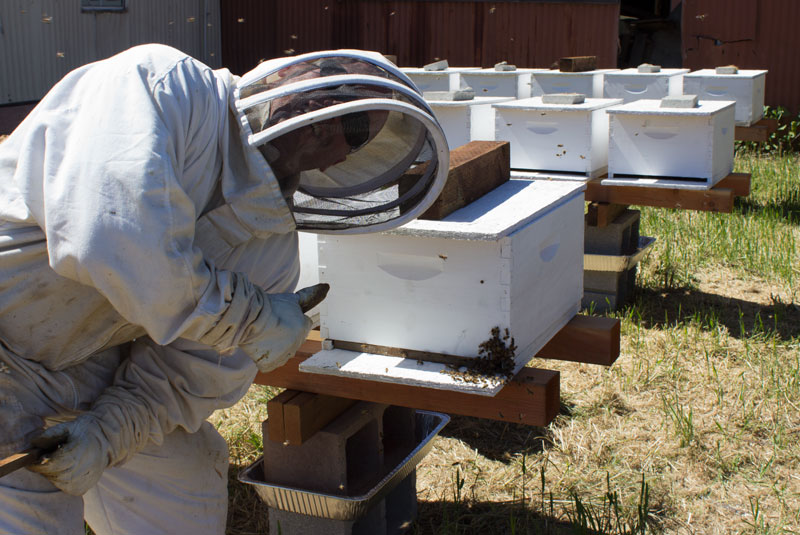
(76,466)
(269,328)
(283,331)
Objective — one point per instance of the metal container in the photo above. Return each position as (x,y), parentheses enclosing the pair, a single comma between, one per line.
(333,507)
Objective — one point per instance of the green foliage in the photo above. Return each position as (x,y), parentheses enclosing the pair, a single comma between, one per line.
(785,139)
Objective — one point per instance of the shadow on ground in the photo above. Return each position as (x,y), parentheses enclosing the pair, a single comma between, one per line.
(498,441)
(742,318)
(437,517)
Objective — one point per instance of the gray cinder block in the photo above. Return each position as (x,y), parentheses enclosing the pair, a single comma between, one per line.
(348,457)
(459,94)
(343,458)
(648,68)
(563,98)
(607,290)
(503,66)
(437,66)
(287,523)
(679,101)
(727,69)
(621,237)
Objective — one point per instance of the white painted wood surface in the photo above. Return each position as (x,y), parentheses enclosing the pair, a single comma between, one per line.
(466,120)
(492,83)
(513,259)
(631,85)
(590,83)
(694,144)
(446,80)
(746,88)
(569,138)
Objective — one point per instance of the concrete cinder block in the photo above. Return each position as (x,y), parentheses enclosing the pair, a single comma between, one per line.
(437,66)
(564,98)
(605,290)
(287,523)
(679,101)
(621,237)
(727,69)
(348,457)
(503,66)
(648,68)
(344,458)
(450,96)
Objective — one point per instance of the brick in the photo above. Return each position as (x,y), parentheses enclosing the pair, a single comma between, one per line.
(437,66)
(564,98)
(679,101)
(577,64)
(648,68)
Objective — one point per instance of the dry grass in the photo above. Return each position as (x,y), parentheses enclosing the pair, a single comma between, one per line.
(703,403)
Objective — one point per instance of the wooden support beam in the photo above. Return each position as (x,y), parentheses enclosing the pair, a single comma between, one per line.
(601,214)
(531,398)
(739,183)
(758,132)
(716,199)
(577,64)
(587,339)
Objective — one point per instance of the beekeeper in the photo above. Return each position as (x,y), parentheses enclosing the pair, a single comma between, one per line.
(148,253)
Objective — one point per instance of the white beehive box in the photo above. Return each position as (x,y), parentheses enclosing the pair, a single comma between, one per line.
(693,147)
(445,80)
(589,83)
(571,138)
(631,85)
(493,83)
(746,88)
(466,120)
(512,259)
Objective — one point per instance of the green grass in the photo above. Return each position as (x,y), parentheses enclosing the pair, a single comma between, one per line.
(695,428)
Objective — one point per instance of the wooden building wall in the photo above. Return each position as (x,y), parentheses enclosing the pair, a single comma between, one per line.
(466,33)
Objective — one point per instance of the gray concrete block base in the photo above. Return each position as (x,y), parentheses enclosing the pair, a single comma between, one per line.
(621,237)
(348,457)
(604,290)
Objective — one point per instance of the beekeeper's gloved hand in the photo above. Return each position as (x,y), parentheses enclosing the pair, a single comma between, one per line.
(283,331)
(78,463)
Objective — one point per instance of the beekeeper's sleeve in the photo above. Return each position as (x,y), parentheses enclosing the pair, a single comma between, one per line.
(124,157)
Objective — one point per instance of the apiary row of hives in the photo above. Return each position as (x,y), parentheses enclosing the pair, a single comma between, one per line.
(630,123)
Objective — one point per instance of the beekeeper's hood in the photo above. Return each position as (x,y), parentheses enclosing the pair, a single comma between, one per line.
(353,145)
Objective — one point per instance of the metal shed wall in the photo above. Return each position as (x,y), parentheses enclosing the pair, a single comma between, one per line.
(42,40)
(751,34)
(466,33)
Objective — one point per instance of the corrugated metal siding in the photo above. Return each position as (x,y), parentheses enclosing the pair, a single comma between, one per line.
(751,35)
(528,34)
(42,40)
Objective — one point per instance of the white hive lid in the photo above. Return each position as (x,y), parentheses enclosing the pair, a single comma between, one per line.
(499,213)
(449,70)
(535,103)
(712,73)
(519,70)
(556,72)
(635,72)
(471,102)
(652,107)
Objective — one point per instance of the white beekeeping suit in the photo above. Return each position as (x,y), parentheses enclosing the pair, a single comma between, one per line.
(148,216)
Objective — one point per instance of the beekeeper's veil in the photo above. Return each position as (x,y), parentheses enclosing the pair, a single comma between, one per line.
(351,133)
